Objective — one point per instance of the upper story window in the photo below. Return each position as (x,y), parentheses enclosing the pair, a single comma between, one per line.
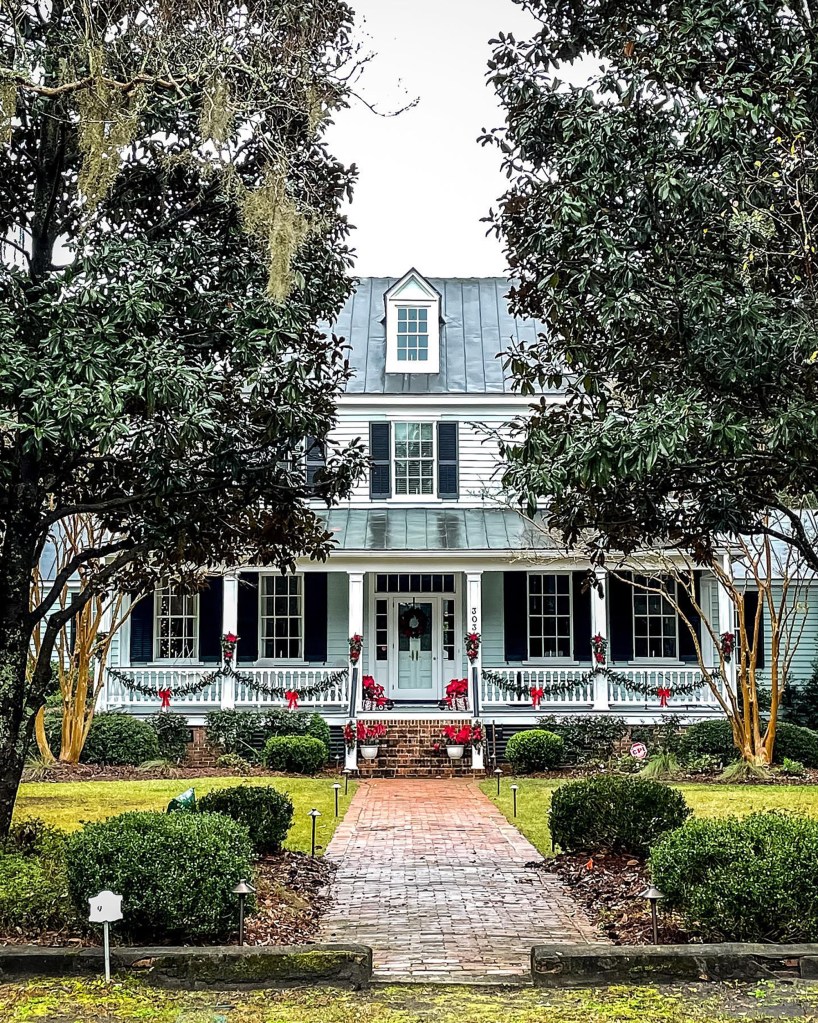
(655,624)
(549,615)
(412,326)
(414,459)
(282,617)
(177,624)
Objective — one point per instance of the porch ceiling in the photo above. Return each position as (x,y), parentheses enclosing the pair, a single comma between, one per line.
(434,529)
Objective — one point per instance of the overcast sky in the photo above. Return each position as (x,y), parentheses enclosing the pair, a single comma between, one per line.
(424,181)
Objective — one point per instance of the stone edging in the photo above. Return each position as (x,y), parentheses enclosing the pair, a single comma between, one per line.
(567,965)
(337,965)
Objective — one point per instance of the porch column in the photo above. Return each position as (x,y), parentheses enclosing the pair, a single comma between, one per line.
(474,623)
(599,627)
(230,623)
(356,625)
(727,614)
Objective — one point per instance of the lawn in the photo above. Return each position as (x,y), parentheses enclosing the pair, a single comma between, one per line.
(707,800)
(68,805)
(82,1001)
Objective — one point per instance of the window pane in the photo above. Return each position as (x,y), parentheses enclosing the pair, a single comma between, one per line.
(281,617)
(549,615)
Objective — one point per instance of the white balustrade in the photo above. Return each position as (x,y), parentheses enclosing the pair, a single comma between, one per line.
(119,695)
(534,677)
(291,679)
(619,694)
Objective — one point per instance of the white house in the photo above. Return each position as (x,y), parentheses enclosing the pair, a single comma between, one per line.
(425,555)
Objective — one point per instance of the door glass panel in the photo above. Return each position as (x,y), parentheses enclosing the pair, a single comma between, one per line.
(415,632)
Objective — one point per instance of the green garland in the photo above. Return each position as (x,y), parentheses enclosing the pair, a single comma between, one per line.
(208,679)
(616,677)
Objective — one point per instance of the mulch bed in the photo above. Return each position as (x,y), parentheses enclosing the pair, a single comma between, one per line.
(291,896)
(609,887)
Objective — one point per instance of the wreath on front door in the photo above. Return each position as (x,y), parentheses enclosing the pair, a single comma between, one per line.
(413,623)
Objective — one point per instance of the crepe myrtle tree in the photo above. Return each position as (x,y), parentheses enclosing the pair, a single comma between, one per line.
(173,228)
(660,222)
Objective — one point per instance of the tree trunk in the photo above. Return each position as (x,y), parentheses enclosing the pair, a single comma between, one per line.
(41,737)
(16,717)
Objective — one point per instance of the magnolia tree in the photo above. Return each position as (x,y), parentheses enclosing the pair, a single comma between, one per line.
(173,234)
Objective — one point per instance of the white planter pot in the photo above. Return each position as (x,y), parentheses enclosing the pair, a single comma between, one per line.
(455,752)
(368,752)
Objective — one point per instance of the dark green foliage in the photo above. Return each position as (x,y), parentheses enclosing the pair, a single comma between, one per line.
(296,754)
(245,732)
(119,739)
(708,739)
(33,883)
(587,738)
(795,743)
(666,737)
(175,872)
(752,878)
(266,812)
(172,734)
(614,814)
(31,836)
(535,750)
(799,705)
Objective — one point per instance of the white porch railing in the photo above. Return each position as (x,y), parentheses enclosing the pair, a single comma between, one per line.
(225,691)
(602,693)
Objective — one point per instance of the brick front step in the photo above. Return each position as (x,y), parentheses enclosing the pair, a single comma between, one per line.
(408,752)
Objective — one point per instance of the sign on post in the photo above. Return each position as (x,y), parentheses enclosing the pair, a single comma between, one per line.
(106,908)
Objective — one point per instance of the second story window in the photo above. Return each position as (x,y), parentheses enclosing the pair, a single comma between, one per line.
(413,334)
(177,619)
(414,459)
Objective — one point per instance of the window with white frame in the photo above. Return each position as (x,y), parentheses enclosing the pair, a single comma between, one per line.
(413,334)
(414,458)
(282,617)
(549,615)
(655,623)
(176,618)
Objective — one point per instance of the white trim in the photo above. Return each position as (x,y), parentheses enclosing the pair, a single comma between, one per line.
(396,297)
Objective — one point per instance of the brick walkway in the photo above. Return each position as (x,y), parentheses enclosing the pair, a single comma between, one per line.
(434,878)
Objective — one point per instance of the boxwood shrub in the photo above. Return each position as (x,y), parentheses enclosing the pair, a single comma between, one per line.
(297,754)
(175,872)
(751,878)
(587,738)
(266,812)
(172,734)
(535,750)
(116,738)
(708,739)
(245,732)
(793,742)
(33,882)
(618,814)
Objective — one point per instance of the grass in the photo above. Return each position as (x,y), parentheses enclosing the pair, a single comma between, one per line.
(84,1001)
(708,799)
(68,805)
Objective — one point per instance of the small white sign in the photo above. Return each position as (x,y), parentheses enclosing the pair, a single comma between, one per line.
(639,750)
(105,908)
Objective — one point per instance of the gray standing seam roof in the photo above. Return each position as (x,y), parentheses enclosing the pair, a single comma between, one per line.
(475,328)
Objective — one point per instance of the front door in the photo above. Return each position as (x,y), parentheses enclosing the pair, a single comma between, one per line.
(415,664)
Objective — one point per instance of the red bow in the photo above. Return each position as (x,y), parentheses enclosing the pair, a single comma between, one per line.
(537,693)
(164,696)
(291,696)
(663,694)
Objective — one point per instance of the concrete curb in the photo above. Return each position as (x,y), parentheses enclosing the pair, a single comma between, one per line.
(567,965)
(335,965)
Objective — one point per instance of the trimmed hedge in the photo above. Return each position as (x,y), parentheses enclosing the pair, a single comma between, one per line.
(751,878)
(245,732)
(709,739)
(793,742)
(297,754)
(535,750)
(588,738)
(172,734)
(615,814)
(266,812)
(175,872)
(33,882)
(116,738)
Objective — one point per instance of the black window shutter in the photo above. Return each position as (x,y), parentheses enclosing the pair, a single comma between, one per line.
(447,472)
(142,631)
(314,459)
(380,453)
(687,647)
(620,610)
(211,600)
(750,608)
(582,617)
(315,616)
(515,615)
(248,618)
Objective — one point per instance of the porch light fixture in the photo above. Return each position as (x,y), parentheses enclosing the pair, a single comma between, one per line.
(652,894)
(314,814)
(498,774)
(337,789)
(242,889)
(514,795)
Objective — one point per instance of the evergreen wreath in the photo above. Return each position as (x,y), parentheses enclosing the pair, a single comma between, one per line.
(632,685)
(413,613)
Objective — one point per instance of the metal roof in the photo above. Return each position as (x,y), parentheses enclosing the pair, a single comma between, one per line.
(433,529)
(475,327)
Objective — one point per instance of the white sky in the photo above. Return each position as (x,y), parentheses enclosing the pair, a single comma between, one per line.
(424,182)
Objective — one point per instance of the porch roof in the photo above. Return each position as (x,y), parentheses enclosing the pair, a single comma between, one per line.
(434,529)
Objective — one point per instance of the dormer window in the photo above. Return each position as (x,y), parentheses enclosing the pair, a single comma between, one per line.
(412,326)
